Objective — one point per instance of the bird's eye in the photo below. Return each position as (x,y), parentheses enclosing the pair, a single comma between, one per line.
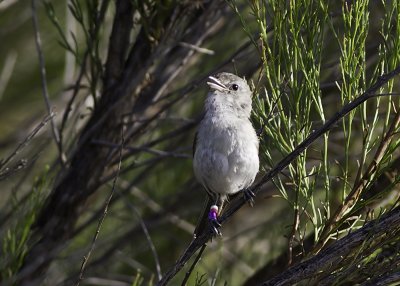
(235,86)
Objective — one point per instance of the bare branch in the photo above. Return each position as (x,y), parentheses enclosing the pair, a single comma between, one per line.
(42,64)
(17,166)
(148,237)
(119,43)
(197,48)
(105,210)
(187,275)
(24,143)
(384,281)
(144,149)
(331,258)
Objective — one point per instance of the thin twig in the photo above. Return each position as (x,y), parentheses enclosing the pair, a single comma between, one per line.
(197,48)
(180,93)
(198,242)
(389,279)
(147,235)
(163,212)
(135,181)
(42,64)
(187,275)
(196,82)
(18,166)
(143,149)
(167,136)
(240,201)
(102,218)
(132,166)
(292,236)
(77,86)
(25,142)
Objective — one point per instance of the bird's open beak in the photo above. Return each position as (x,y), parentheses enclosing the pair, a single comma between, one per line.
(215,84)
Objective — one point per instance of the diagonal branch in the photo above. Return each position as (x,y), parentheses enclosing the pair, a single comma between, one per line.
(330,258)
(23,144)
(239,201)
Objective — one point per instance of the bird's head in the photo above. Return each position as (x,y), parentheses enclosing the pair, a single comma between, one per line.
(229,93)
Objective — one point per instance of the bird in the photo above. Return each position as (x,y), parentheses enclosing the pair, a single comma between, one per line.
(225,149)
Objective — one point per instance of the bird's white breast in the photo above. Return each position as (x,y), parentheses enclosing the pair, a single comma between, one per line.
(226,156)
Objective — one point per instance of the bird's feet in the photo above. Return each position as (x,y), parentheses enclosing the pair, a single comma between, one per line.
(249,196)
(213,220)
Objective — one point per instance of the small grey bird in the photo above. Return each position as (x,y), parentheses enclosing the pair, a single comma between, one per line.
(225,150)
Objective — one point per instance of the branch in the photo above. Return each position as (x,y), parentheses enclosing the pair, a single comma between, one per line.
(146,233)
(187,275)
(383,281)
(239,201)
(24,143)
(119,43)
(330,258)
(105,210)
(42,64)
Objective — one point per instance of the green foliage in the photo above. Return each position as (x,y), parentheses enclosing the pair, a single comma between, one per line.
(293,39)
(57,24)
(138,280)
(292,58)
(18,232)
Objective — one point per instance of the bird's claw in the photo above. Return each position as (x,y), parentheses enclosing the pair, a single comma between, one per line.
(249,196)
(215,227)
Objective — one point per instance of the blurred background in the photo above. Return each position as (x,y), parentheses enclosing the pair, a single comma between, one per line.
(108,147)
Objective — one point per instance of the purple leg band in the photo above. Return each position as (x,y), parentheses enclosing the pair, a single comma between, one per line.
(212,215)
